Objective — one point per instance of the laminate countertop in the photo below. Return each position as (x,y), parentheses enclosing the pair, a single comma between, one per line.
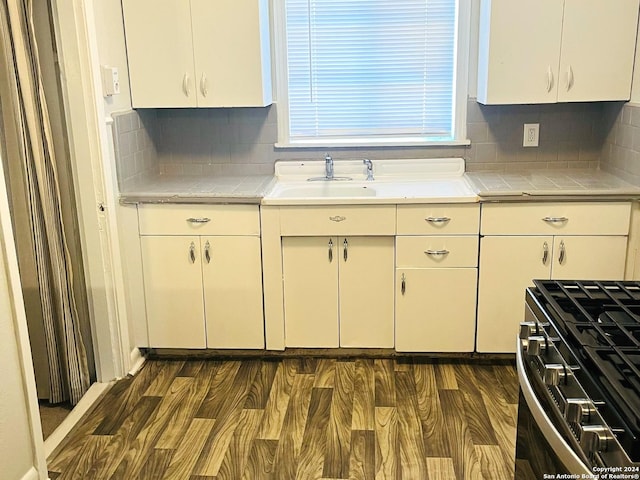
(194,189)
(574,184)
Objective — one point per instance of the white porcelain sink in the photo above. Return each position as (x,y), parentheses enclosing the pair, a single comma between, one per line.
(323,190)
(396,181)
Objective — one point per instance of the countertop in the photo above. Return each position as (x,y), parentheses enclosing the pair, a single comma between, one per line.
(549,184)
(571,184)
(194,189)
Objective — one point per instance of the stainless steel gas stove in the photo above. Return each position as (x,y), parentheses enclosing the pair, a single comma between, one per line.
(579,369)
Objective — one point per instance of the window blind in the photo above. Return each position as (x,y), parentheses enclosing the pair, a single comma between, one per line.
(371,68)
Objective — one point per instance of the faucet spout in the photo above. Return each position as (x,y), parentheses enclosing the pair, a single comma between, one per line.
(328,166)
(369,165)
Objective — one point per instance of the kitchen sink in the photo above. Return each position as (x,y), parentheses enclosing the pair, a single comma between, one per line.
(396,181)
(323,190)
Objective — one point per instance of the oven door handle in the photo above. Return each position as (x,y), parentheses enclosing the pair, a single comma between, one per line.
(564,451)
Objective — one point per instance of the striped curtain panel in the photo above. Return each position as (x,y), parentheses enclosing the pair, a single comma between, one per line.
(68,369)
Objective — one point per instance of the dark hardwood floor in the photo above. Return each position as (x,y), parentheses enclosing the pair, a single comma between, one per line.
(309,418)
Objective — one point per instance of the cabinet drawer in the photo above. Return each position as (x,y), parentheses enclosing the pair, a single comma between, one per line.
(338,220)
(199,219)
(438,219)
(556,218)
(436,252)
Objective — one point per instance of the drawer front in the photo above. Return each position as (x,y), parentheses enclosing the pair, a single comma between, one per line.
(556,218)
(338,220)
(438,219)
(436,252)
(185,219)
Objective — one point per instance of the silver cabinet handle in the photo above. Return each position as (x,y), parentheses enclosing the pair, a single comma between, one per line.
(438,219)
(203,85)
(192,252)
(436,252)
(545,253)
(330,250)
(555,219)
(345,246)
(207,252)
(198,220)
(403,284)
(185,84)
(562,255)
(337,218)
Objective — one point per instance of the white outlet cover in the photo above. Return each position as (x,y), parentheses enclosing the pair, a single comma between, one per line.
(531,135)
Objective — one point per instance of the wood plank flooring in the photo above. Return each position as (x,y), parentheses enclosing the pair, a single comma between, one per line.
(307,418)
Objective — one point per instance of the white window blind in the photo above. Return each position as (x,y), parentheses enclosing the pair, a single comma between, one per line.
(371,69)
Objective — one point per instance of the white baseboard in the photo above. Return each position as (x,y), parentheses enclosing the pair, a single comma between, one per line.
(32,474)
(136,361)
(94,394)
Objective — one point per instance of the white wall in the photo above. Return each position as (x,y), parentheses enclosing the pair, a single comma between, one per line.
(111,50)
(21,444)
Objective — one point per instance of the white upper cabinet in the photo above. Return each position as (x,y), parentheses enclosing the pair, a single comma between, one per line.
(198,53)
(556,50)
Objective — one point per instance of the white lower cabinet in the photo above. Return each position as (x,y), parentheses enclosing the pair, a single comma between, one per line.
(436,309)
(173,291)
(575,241)
(509,264)
(202,291)
(338,291)
(232,281)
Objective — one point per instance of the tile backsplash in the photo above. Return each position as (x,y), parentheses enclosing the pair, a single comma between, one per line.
(136,153)
(240,141)
(621,149)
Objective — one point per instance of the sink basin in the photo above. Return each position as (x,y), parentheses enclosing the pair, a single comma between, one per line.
(396,181)
(324,190)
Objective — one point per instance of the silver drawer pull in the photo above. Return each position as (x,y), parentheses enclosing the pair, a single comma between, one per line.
(545,253)
(337,218)
(198,220)
(436,252)
(555,219)
(437,219)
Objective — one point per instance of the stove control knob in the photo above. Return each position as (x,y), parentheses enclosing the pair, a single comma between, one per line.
(536,345)
(554,374)
(594,438)
(579,410)
(527,329)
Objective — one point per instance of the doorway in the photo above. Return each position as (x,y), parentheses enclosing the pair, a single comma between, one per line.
(21,219)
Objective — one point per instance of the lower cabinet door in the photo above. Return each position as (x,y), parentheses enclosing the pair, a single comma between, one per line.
(366,291)
(589,258)
(508,265)
(435,309)
(232,280)
(173,291)
(310,276)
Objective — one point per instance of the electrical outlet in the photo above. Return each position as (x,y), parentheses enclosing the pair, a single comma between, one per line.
(110,80)
(531,135)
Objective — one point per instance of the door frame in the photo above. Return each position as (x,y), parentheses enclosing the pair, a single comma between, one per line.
(95,184)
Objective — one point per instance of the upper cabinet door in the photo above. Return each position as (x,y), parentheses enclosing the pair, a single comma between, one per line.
(598,45)
(519,51)
(231,50)
(160,53)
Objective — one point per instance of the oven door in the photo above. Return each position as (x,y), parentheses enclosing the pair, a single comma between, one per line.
(541,448)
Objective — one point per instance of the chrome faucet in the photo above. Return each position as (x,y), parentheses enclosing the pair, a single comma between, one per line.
(369,165)
(328,167)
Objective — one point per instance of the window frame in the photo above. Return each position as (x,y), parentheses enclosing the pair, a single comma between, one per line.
(460,97)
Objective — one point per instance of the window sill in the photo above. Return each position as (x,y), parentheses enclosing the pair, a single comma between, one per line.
(372,144)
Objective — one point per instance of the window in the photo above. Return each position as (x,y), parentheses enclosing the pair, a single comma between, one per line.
(371,72)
